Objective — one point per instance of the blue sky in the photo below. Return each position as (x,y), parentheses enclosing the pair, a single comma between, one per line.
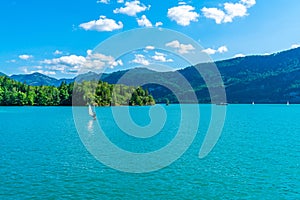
(54,37)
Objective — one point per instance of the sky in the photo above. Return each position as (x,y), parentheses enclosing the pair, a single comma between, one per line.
(56,37)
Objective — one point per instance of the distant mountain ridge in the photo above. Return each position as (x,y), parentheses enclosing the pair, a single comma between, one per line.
(38,79)
(271,78)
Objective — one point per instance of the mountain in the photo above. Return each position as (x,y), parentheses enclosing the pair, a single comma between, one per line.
(273,78)
(89,76)
(263,79)
(2,74)
(37,79)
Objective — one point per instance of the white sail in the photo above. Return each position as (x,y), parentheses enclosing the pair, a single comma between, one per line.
(91,113)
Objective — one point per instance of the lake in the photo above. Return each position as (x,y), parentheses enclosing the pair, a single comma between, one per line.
(256,157)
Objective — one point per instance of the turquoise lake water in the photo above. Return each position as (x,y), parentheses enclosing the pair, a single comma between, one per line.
(256,157)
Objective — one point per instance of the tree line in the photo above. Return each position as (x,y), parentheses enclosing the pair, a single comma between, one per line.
(13,93)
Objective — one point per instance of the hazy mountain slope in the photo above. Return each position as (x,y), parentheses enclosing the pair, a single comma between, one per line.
(264,79)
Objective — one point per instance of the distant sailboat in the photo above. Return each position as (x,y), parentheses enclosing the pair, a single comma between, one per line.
(288,103)
(222,104)
(253,103)
(91,112)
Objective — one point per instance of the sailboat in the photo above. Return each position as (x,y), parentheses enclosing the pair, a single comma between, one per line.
(91,112)
(253,103)
(288,103)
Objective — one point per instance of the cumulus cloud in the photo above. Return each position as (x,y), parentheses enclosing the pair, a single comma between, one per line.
(149,47)
(214,13)
(103,1)
(120,1)
(183,14)
(57,52)
(143,21)
(25,57)
(157,24)
(140,59)
(75,63)
(266,54)
(294,46)
(211,51)
(222,49)
(240,55)
(229,12)
(248,3)
(234,10)
(11,61)
(161,57)
(116,63)
(132,8)
(66,60)
(181,48)
(102,24)
(45,72)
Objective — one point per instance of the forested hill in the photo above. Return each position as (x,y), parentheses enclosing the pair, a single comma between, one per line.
(13,93)
(271,78)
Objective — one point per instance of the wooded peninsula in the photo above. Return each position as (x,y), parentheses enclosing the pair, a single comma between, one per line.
(99,93)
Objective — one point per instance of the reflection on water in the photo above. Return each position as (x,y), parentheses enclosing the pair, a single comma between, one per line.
(90,126)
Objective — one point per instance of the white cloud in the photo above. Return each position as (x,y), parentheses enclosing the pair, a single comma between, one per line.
(234,10)
(183,15)
(44,72)
(66,64)
(294,46)
(149,47)
(103,1)
(66,60)
(75,63)
(38,67)
(60,68)
(211,51)
(99,61)
(174,44)
(181,3)
(143,21)
(120,1)
(25,57)
(161,57)
(140,59)
(11,61)
(116,63)
(102,24)
(266,54)
(157,24)
(181,48)
(89,52)
(229,12)
(57,52)
(248,3)
(26,71)
(222,49)
(132,8)
(240,55)
(213,13)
